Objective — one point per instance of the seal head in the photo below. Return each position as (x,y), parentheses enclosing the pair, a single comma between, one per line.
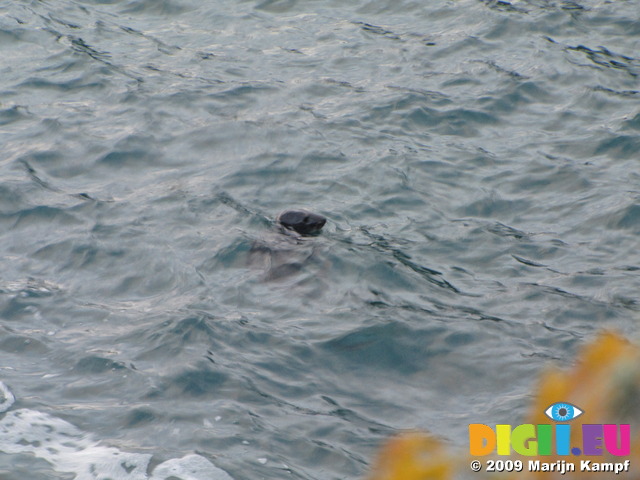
(302,221)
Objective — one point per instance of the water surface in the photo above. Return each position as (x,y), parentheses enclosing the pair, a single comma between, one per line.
(477,161)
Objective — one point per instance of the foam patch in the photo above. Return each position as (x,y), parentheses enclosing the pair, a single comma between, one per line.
(70,450)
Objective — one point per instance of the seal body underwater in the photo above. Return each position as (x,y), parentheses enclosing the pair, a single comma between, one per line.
(288,252)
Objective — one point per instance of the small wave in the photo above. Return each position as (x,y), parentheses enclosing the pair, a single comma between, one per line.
(13,114)
(31,288)
(619,146)
(608,59)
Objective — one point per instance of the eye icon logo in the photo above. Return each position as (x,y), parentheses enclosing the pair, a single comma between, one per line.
(563,412)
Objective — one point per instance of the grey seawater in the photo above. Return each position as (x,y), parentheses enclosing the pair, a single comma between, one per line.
(477,161)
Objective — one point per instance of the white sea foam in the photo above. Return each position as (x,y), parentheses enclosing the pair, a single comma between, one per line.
(7,398)
(70,450)
(189,467)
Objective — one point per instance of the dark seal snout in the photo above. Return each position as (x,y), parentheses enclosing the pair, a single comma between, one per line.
(302,221)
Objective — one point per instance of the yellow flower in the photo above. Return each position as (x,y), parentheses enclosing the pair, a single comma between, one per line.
(413,456)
